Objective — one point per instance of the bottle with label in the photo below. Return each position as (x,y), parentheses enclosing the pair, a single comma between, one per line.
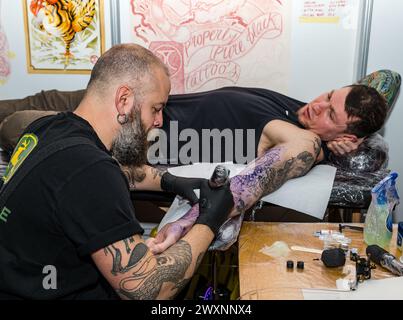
(379,222)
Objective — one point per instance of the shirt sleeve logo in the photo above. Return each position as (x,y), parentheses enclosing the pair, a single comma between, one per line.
(24,147)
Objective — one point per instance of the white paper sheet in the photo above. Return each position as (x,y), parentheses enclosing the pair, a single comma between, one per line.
(386,289)
(309,194)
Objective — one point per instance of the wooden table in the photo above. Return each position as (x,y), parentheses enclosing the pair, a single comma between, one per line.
(262,277)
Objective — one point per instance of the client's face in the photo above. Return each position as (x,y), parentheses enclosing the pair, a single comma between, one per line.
(326,115)
(130,146)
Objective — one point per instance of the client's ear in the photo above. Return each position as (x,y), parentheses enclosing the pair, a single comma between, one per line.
(349,137)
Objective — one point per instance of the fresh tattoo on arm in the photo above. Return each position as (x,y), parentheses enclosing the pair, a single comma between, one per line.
(262,176)
(268,173)
(146,274)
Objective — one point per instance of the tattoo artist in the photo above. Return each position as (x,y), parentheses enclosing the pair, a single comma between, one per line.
(72,210)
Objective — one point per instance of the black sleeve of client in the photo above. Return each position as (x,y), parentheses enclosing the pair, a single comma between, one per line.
(226,108)
(50,224)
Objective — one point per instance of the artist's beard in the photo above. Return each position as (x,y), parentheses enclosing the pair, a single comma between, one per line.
(131,145)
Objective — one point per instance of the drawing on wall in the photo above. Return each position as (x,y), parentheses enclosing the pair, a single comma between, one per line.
(5,68)
(214,43)
(63,36)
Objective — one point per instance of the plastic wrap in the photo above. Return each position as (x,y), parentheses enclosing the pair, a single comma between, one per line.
(358,172)
(228,234)
(378,222)
(353,190)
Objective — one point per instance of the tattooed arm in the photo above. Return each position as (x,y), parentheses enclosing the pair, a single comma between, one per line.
(292,153)
(155,179)
(144,178)
(135,273)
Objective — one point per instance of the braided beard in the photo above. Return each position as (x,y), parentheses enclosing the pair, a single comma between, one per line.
(131,145)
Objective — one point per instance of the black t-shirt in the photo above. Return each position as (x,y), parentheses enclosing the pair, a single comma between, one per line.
(71,205)
(227,108)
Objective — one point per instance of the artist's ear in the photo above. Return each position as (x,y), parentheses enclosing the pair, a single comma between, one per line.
(124,99)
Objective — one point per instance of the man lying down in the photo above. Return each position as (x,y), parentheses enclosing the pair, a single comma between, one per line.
(287,138)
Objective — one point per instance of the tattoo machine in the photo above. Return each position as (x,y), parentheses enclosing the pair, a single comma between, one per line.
(219,177)
(363,266)
(345,226)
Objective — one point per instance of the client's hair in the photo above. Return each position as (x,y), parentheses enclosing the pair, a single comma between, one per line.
(370,106)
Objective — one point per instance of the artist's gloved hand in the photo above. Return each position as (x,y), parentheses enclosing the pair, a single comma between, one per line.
(182,186)
(214,206)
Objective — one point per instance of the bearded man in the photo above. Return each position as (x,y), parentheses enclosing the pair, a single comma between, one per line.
(67,223)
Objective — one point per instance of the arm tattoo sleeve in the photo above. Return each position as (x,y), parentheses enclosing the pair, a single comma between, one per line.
(262,176)
(146,275)
(157,172)
(134,175)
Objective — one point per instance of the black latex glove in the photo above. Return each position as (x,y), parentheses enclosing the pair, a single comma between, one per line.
(214,206)
(182,186)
